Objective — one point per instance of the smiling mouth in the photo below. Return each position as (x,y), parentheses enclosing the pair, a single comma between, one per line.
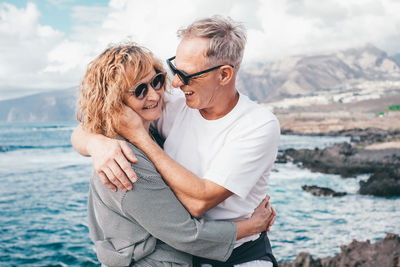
(152,106)
(189,93)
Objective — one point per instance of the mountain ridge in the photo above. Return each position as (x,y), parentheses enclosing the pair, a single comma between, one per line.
(340,76)
(308,74)
(57,105)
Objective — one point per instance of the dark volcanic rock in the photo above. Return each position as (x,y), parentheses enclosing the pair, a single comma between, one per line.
(385,253)
(359,137)
(368,136)
(282,158)
(340,159)
(322,191)
(349,161)
(303,259)
(385,183)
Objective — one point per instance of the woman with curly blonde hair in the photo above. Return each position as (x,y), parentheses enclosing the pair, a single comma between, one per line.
(101,93)
(146,226)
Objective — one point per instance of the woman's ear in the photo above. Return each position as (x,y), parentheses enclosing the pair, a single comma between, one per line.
(226,74)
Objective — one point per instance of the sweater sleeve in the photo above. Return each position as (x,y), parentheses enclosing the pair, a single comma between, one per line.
(154,206)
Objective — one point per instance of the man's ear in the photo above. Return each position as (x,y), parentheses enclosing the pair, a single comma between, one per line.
(226,73)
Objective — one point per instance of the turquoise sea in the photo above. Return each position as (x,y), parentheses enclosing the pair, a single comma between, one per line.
(43,196)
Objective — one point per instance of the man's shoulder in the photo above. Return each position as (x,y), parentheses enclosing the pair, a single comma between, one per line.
(255,113)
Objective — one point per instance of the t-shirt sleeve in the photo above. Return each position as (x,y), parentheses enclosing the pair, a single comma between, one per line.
(154,206)
(245,158)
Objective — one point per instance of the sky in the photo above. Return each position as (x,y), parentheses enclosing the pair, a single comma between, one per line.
(47,44)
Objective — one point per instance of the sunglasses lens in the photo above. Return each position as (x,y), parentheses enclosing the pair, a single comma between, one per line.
(141,91)
(184,80)
(175,71)
(158,81)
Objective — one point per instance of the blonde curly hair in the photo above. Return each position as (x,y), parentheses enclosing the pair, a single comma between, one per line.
(107,78)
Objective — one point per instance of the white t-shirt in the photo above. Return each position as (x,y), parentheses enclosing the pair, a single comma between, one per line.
(236,151)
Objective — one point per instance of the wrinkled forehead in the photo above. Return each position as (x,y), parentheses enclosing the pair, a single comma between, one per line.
(191,54)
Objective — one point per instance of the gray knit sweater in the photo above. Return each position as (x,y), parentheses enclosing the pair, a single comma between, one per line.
(148,226)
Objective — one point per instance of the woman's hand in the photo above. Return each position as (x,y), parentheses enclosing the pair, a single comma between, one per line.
(263,216)
(261,220)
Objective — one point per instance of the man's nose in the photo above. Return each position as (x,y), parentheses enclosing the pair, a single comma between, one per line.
(177,82)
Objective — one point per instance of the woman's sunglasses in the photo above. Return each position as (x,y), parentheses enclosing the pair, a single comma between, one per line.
(157,82)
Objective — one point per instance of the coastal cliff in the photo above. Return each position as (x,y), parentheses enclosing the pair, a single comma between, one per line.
(384,253)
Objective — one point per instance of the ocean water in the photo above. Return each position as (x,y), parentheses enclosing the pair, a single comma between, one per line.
(43,196)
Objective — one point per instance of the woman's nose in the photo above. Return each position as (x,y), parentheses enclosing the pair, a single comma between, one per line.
(153,94)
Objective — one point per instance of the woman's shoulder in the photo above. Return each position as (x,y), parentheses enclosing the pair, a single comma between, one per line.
(144,168)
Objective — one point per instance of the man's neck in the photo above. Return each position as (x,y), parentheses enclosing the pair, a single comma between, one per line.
(223,107)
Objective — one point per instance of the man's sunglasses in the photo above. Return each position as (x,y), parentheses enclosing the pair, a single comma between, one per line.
(183,76)
(157,82)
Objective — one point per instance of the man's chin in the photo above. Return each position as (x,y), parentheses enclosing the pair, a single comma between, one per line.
(191,104)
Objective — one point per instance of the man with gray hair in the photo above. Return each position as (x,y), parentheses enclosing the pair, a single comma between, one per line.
(219,145)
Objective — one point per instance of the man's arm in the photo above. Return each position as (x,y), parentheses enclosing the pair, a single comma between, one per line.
(110,158)
(247,156)
(198,195)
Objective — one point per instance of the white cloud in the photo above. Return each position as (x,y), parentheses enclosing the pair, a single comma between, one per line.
(67,56)
(34,56)
(37,56)
(24,45)
(298,27)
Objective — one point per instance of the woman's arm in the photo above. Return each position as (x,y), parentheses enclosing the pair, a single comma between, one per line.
(154,206)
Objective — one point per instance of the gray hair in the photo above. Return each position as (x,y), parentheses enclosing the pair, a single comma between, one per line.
(227,39)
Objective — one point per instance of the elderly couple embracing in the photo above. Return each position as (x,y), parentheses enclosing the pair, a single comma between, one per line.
(181,174)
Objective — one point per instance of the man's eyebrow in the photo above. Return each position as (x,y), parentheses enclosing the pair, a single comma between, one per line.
(185,71)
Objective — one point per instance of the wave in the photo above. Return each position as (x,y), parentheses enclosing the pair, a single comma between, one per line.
(35,127)
(8,148)
(53,128)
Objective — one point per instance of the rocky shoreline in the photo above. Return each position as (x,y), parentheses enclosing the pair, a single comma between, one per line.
(374,130)
(385,253)
(341,117)
(358,136)
(366,154)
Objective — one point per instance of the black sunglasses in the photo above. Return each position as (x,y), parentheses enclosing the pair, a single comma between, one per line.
(157,82)
(183,76)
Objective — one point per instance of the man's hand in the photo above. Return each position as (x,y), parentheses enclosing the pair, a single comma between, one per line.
(264,215)
(130,125)
(110,160)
